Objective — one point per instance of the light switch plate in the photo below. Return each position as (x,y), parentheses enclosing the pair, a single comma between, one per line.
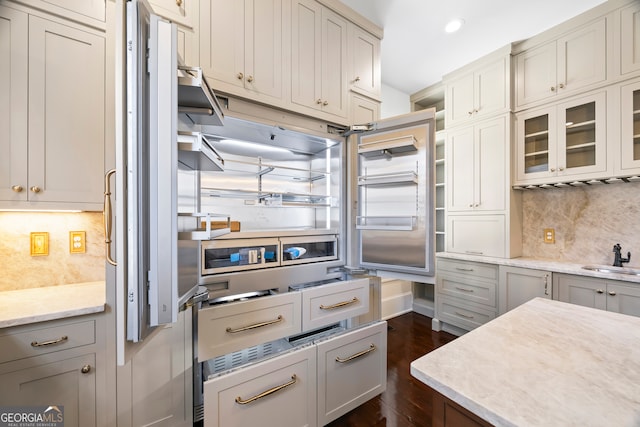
(39,243)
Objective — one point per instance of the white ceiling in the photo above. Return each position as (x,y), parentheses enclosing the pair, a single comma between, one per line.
(416,52)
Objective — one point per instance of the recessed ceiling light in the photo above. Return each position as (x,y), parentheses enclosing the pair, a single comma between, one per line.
(454,25)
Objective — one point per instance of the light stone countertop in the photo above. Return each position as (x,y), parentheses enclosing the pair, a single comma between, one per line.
(544,363)
(544,264)
(33,305)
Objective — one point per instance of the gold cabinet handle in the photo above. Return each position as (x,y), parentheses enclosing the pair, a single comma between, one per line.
(612,293)
(240,76)
(465,290)
(255,325)
(17,188)
(325,103)
(466,316)
(242,401)
(250,79)
(85,369)
(357,79)
(339,304)
(599,291)
(50,342)
(561,85)
(371,348)
(107,216)
(319,101)
(178,3)
(36,189)
(553,88)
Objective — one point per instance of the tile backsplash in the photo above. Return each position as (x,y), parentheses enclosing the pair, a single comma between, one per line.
(587,220)
(20,270)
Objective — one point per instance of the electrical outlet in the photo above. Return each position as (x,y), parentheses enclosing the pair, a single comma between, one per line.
(39,243)
(77,242)
(549,235)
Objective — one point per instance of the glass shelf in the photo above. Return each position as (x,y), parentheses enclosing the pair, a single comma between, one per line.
(408,177)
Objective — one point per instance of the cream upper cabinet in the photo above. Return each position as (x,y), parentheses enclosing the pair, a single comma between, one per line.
(241,48)
(477,167)
(179,11)
(57,154)
(364,62)
(318,60)
(562,142)
(563,66)
(630,130)
(630,38)
(364,110)
(479,92)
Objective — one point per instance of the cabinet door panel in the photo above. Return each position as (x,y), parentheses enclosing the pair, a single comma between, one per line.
(476,234)
(519,285)
(334,61)
(306,55)
(535,74)
(491,86)
(623,299)
(263,48)
(581,290)
(66,113)
(364,55)
(60,383)
(630,38)
(630,132)
(459,101)
(492,169)
(222,41)
(460,169)
(13,104)
(582,57)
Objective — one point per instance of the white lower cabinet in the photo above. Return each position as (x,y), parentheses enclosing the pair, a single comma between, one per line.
(308,386)
(519,285)
(56,363)
(352,368)
(603,294)
(466,293)
(277,392)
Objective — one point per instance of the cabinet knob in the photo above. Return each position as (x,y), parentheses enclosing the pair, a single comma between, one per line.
(357,79)
(36,189)
(612,293)
(561,168)
(561,85)
(470,113)
(600,291)
(178,3)
(240,76)
(17,188)
(553,88)
(325,103)
(85,369)
(470,205)
(552,169)
(250,79)
(319,101)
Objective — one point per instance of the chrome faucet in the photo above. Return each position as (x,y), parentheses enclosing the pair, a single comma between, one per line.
(618,260)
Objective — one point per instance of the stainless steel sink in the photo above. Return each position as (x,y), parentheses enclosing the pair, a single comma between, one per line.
(616,270)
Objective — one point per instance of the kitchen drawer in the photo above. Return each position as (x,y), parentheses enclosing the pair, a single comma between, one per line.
(352,368)
(464,315)
(46,339)
(467,288)
(331,303)
(486,271)
(292,405)
(233,326)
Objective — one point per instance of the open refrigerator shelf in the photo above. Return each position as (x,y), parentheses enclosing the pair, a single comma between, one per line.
(196,99)
(268,198)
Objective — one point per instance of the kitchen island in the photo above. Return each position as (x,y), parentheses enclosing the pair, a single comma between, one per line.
(545,363)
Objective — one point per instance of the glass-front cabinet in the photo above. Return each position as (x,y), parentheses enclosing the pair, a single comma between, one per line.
(562,142)
(630,131)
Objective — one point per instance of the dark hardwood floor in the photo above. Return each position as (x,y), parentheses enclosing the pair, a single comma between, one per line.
(407,401)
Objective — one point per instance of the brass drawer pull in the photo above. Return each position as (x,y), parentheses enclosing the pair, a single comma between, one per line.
(241,401)
(338,305)
(371,348)
(50,342)
(464,269)
(464,315)
(256,325)
(465,290)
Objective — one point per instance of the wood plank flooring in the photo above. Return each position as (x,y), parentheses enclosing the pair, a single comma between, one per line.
(407,401)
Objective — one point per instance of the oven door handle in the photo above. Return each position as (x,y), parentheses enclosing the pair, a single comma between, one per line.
(255,325)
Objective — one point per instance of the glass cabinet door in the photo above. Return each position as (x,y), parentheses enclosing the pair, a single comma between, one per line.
(536,144)
(630,136)
(582,140)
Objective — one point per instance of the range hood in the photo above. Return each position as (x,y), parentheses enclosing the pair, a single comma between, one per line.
(196,100)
